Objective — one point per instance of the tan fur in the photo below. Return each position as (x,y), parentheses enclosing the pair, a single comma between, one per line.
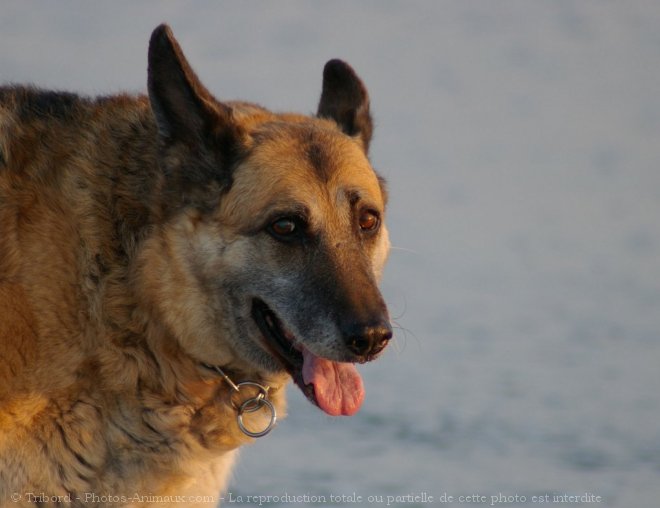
(112,265)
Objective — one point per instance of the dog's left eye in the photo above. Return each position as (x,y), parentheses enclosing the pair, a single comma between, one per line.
(369,220)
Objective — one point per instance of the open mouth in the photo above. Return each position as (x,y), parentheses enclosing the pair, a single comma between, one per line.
(335,387)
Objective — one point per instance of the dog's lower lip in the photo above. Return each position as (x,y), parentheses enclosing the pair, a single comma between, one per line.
(283,349)
(274,336)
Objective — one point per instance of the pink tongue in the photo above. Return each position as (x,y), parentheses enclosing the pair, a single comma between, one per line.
(338,386)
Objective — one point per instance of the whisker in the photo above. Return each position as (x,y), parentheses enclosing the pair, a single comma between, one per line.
(404,249)
(405,308)
(400,345)
(399,342)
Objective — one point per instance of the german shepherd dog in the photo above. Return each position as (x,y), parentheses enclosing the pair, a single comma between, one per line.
(167,263)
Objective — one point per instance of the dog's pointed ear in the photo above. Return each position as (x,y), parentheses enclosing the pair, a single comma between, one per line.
(183,107)
(345,100)
(199,137)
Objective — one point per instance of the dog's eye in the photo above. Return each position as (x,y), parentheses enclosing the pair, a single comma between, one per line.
(369,220)
(284,228)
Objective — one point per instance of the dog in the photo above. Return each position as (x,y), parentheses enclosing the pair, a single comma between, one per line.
(167,263)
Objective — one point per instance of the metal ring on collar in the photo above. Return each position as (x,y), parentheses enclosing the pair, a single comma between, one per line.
(246,407)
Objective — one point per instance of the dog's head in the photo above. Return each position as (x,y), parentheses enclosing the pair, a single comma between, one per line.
(271,256)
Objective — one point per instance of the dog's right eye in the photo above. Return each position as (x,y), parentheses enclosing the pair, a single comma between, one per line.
(285,228)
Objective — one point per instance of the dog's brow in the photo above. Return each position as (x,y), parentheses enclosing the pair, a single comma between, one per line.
(353,197)
(292,209)
(299,209)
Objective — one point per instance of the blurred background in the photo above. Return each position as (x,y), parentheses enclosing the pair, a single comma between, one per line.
(521,142)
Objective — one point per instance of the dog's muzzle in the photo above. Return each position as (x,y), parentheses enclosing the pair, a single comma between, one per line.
(334,386)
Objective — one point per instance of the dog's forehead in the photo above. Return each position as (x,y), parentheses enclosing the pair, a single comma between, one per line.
(307,157)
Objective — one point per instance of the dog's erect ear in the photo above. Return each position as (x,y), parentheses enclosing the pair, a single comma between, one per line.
(183,107)
(198,134)
(345,100)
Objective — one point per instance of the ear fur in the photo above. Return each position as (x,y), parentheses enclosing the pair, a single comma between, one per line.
(182,105)
(345,100)
(197,130)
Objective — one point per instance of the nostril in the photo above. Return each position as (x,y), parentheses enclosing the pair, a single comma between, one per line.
(383,337)
(386,334)
(359,345)
(369,340)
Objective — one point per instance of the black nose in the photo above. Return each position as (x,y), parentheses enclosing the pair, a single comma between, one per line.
(368,340)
